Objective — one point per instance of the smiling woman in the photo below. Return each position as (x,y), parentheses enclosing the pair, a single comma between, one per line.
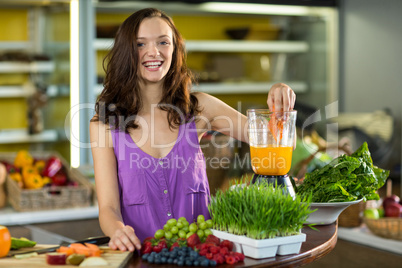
(148,162)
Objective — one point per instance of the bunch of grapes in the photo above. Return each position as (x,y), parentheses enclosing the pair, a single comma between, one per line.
(181,228)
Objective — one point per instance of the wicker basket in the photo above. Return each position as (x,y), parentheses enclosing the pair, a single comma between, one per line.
(351,216)
(385,227)
(55,197)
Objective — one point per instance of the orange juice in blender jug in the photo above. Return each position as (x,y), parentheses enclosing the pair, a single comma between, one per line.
(271,138)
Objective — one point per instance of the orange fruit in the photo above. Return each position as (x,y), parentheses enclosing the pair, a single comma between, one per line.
(5,241)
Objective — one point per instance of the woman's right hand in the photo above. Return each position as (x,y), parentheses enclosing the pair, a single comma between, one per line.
(125,239)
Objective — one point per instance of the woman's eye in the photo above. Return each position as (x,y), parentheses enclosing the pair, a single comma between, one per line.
(140,44)
(164,43)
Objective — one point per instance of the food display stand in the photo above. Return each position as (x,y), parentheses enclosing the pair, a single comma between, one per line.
(318,243)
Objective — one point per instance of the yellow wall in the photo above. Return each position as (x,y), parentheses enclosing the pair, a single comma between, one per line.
(14,27)
(14,24)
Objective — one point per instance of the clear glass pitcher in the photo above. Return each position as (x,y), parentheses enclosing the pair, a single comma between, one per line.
(271,137)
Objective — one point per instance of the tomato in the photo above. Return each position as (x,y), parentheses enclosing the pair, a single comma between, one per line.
(5,241)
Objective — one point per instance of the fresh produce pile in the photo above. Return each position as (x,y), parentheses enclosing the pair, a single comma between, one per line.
(77,254)
(346,178)
(258,211)
(391,207)
(32,173)
(210,253)
(8,242)
(188,249)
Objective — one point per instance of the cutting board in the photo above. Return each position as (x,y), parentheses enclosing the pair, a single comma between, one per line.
(115,258)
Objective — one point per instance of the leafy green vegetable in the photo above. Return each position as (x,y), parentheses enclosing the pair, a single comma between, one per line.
(346,178)
(258,211)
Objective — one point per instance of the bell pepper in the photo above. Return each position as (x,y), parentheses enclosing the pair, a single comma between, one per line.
(28,170)
(10,167)
(53,165)
(60,179)
(33,181)
(46,180)
(16,176)
(40,165)
(23,158)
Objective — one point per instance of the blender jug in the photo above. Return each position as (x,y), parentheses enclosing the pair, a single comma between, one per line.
(271,138)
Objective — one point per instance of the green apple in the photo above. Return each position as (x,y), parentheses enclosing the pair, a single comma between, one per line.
(371,213)
(381,212)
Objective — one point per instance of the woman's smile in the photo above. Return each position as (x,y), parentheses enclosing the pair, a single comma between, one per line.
(152,65)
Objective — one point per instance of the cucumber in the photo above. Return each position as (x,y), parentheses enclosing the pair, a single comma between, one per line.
(17,243)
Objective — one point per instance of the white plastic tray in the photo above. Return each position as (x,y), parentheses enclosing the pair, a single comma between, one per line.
(264,248)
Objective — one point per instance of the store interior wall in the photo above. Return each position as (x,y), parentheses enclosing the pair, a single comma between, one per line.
(370,57)
(371,63)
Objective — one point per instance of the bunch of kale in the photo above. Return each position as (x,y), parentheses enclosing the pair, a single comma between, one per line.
(346,178)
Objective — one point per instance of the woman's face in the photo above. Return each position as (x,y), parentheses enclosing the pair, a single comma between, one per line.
(155,47)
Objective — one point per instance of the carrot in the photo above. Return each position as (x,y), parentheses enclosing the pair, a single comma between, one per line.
(81,249)
(275,126)
(67,250)
(89,250)
(92,246)
(95,250)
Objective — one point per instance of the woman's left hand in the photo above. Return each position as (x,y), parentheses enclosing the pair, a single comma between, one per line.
(281,98)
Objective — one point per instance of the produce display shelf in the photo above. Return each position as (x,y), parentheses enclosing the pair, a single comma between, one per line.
(237,88)
(362,235)
(9,136)
(228,46)
(27,67)
(9,217)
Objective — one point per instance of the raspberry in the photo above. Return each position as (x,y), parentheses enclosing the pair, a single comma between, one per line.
(214,249)
(224,251)
(209,256)
(219,258)
(230,259)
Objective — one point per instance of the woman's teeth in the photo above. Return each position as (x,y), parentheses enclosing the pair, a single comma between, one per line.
(153,65)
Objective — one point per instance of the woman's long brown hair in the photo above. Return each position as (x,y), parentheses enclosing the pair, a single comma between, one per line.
(120,101)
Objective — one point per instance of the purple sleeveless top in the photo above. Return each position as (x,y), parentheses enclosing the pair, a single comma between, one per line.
(154,190)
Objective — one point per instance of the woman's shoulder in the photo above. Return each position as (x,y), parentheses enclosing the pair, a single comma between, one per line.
(205,101)
(99,131)
(210,105)
(202,96)
(97,124)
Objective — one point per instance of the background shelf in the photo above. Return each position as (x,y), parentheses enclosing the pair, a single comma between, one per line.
(236,88)
(229,46)
(27,67)
(8,136)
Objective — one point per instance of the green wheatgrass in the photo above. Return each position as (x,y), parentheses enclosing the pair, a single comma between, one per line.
(258,211)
